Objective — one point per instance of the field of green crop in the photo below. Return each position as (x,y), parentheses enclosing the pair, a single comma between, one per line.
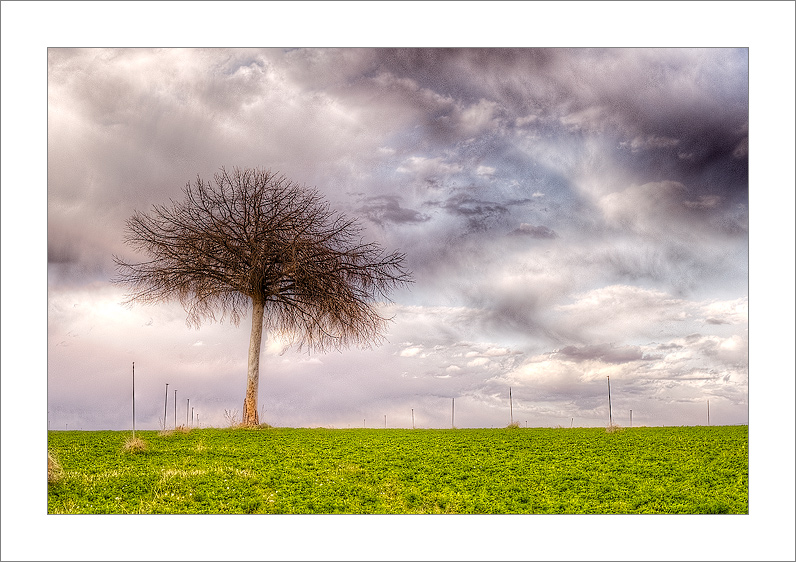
(276,470)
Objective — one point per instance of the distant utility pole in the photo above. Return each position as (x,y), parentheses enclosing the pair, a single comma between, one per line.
(610,416)
(165,405)
(413,418)
(133,399)
(175,408)
(453,400)
(631,418)
(187,411)
(708,412)
(191,417)
(385,421)
(511,406)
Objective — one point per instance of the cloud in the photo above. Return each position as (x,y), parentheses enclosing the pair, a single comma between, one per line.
(534,231)
(645,208)
(650,142)
(602,352)
(727,312)
(668,209)
(428,170)
(486,171)
(617,311)
(478,212)
(387,209)
(410,351)
(479,117)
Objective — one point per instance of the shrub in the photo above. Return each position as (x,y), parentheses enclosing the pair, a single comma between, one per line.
(54,471)
(231,416)
(134,445)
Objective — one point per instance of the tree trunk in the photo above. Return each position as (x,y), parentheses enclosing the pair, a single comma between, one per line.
(250,402)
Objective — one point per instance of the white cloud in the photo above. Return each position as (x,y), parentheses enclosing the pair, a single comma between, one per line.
(589,119)
(650,142)
(486,171)
(479,117)
(428,167)
(647,208)
(311,360)
(622,312)
(527,120)
(410,351)
(478,362)
(727,312)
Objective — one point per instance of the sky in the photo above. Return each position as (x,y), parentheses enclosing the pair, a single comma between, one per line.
(569,216)
(556,235)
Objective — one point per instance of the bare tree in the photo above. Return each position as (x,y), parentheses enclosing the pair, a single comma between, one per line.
(255,240)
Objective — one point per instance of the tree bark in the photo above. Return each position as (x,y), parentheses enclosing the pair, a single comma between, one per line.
(250,417)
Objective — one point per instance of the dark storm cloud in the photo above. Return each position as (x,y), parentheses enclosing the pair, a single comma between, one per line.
(60,253)
(388,209)
(672,127)
(479,214)
(717,321)
(503,73)
(606,353)
(644,98)
(680,144)
(539,231)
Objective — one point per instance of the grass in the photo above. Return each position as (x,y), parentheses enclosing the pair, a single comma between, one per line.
(134,445)
(54,471)
(280,470)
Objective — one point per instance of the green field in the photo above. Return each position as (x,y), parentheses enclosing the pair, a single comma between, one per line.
(280,470)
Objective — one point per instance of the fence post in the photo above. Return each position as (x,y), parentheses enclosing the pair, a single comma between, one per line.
(610,415)
(453,400)
(133,399)
(165,406)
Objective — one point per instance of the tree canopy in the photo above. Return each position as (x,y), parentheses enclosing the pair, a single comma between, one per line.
(253,235)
